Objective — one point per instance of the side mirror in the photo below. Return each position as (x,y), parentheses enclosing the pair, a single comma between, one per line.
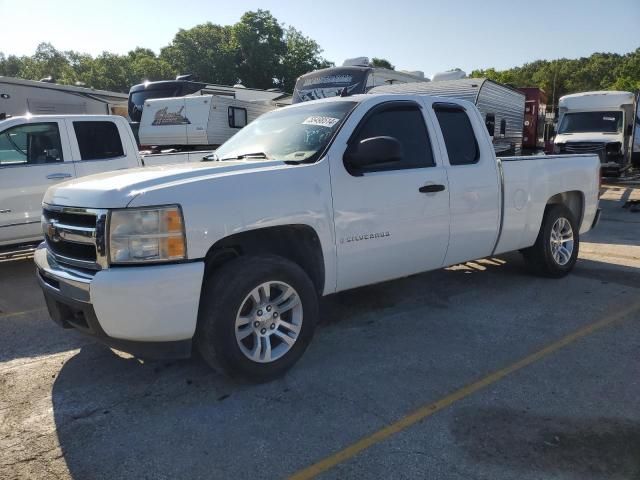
(373,151)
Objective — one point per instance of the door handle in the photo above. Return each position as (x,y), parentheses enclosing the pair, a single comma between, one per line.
(431,188)
(5,210)
(57,176)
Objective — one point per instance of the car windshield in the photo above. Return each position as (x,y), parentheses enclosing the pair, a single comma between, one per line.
(137,99)
(330,82)
(291,134)
(602,122)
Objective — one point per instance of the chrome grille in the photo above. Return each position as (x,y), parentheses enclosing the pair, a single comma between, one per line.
(75,236)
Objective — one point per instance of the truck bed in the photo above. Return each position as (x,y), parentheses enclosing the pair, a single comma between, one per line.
(528,182)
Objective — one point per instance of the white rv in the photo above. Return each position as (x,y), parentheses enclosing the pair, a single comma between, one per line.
(598,122)
(198,121)
(19,97)
(356,75)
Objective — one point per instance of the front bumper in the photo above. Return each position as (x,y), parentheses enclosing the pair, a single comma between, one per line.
(148,311)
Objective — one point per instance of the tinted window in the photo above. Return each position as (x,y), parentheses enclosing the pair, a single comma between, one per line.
(405,124)
(98,140)
(459,138)
(237,117)
(34,143)
(330,82)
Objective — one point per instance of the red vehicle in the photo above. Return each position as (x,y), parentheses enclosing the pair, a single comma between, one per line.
(535,131)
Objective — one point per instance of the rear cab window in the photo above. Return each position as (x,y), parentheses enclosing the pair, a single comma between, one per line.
(98,140)
(459,137)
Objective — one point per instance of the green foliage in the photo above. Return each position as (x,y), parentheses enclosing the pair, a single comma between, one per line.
(207,51)
(260,49)
(257,51)
(382,63)
(600,71)
(302,56)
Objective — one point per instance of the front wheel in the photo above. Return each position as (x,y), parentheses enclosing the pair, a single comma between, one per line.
(257,316)
(556,249)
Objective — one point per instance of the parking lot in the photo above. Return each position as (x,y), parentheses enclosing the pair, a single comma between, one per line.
(476,371)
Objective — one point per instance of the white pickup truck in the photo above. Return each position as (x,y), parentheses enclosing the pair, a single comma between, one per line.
(43,150)
(305,201)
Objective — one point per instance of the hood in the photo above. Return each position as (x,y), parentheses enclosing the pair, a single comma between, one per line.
(588,137)
(116,189)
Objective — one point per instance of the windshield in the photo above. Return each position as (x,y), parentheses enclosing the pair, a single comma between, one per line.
(601,122)
(290,134)
(329,83)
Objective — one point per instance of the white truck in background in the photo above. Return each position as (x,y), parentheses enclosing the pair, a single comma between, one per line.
(307,200)
(601,123)
(39,151)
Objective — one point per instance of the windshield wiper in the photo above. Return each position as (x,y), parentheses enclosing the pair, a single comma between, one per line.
(247,155)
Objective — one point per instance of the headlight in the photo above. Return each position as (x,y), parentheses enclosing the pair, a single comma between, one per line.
(149,234)
(614,148)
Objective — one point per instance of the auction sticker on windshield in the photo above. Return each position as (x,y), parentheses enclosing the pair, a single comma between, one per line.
(321,121)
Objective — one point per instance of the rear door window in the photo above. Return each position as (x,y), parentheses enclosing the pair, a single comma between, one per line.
(459,137)
(98,140)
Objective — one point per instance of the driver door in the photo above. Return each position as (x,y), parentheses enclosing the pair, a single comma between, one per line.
(33,156)
(391,220)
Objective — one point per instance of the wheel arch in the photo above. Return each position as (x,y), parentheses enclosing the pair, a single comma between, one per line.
(298,243)
(573,200)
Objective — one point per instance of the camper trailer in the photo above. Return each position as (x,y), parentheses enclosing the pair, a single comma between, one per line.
(139,94)
(598,122)
(502,107)
(356,75)
(19,97)
(198,121)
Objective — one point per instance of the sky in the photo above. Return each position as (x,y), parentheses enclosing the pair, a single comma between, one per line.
(427,35)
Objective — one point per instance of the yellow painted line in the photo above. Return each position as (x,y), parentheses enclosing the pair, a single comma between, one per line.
(431,408)
(23,312)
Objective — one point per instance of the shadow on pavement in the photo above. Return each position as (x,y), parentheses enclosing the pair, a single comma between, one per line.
(581,447)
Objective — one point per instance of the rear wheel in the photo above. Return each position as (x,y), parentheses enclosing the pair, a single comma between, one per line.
(257,316)
(556,249)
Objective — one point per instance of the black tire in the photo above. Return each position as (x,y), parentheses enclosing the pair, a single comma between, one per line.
(224,293)
(539,257)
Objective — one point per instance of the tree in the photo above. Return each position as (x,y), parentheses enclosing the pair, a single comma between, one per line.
(10,66)
(261,47)
(302,56)
(382,63)
(47,61)
(600,71)
(207,51)
(145,65)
